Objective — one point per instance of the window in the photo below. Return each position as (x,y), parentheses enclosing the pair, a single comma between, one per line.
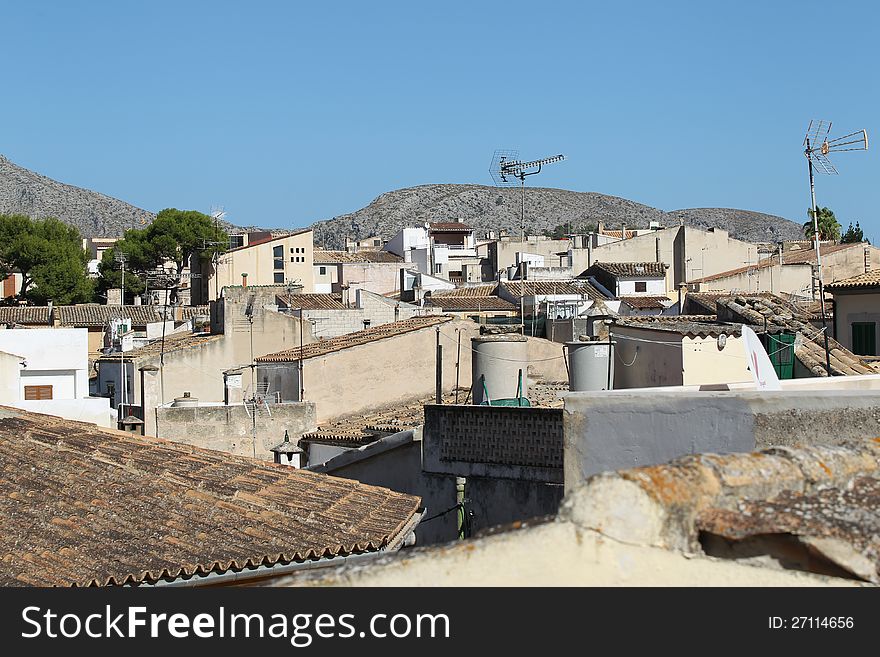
(864,338)
(438,269)
(278,257)
(236,241)
(33,393)
(641,286)
(322,271)
(278,277)
(377,242)
(293,258)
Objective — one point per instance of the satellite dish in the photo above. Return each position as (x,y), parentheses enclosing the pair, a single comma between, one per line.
(762,370)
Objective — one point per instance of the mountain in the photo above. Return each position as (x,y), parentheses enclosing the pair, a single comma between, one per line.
(95,215)
(494,208)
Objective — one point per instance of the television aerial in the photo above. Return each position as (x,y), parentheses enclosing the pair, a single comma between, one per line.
(817,147)
(507,167)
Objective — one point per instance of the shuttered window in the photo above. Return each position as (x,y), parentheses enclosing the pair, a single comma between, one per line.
(34,393)
(864,338)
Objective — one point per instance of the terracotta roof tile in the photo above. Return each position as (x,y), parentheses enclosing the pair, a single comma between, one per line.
(647,302)
(788,258)
(551,288)
(81,505)
(334,257)
(355,339)
(24,315)
(633,269)
(311,301)
(862,281)
(94,314)
(176,342)
(450,227)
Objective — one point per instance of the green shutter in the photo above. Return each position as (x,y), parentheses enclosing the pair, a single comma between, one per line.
(864,338)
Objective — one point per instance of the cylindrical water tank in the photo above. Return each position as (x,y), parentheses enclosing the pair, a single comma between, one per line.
(496,362)
(590,365)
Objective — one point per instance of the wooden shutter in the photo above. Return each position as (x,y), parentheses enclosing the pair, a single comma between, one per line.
(35,393)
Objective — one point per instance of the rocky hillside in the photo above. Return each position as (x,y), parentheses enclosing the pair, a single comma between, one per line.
(95,215)
(492,208)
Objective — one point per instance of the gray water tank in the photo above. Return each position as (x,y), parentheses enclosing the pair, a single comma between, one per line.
(499,359)
(590,365)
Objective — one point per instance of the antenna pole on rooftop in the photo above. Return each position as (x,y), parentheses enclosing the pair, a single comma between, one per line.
(817,146)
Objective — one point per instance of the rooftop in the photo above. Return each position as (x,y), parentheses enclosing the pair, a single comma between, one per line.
(552,288)
(633,269)
(774,314)
(85,506)
(321,257)
(449,227)
(789,258)
(94,314)
(311,301)
(355,339)
(647,302)
(685,325)
(24,315)
(867,280)
(175,342)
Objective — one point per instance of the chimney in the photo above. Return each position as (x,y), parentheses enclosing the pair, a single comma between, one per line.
(244,280)
(50,304)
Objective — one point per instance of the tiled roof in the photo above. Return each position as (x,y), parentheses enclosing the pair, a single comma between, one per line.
(632,268)
(465,303)
(357,338)
(450,227)
(647,302)
(311,301)
(776,315)
(94,314)
(682,326)
(24,315)
(862,281)
(175,342)
(334,257)
(705,302)
(471,291)
(617,233)
(550,288)
(81,506)
(789,258)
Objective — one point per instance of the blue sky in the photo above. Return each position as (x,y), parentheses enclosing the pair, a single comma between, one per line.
(289,112)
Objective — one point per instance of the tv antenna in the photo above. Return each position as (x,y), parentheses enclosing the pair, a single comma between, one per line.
(817,147)
(217,214)
(505,168)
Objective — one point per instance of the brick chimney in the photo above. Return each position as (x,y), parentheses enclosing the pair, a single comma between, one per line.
(244,280)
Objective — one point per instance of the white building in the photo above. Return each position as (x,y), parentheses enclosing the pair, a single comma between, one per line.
(51,375)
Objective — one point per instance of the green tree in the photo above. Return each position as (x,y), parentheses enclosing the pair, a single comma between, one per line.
(171,242)
(853,235)
(829,228)
(49,256)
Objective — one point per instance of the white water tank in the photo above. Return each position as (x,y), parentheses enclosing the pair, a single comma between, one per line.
(496,363)
(590,365)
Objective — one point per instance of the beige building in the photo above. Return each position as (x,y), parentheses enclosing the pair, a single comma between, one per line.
(269,261)
(857,312)
(677,352)
(794,274)
(341,272)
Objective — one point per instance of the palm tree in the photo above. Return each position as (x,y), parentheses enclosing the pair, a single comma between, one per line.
(829,228)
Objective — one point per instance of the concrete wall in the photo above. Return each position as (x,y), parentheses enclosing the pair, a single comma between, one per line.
(59,358)
(793,279)
(622,429)
(377,374)
(10,367)
(376,277)
(852,307)
(655,362)
(395,462)
(91,409)
(230,428)
(376,308)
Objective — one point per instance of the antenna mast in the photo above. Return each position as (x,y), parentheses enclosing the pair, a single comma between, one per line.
(817,146)
(504,168)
